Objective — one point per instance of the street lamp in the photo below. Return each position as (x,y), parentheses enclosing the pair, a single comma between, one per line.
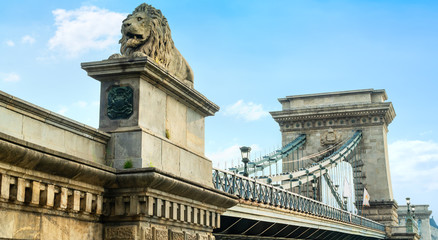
(314,189)
(408,204)
(411,224)
(245,159)
(413,211)
(345,202)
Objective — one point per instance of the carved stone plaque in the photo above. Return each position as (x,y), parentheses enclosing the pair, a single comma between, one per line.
(120,102)
(330,137)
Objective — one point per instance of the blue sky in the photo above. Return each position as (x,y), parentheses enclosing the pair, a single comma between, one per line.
(246,54)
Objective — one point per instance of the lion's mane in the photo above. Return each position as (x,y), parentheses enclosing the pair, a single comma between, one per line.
(158,45)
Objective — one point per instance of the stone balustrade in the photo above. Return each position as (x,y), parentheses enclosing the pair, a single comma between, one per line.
(40,193)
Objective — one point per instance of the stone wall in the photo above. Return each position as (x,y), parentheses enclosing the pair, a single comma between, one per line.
(39,126)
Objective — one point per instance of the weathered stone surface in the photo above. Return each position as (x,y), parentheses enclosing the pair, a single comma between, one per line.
(177,235)
(127,147)
(195,131)
(24,121)
(147,233)
(19,225)
(171,158)
(25,225)
(176,121)
(151,151)
(152,108)
(384,212)
(121,233)
(11,123)
(161,234)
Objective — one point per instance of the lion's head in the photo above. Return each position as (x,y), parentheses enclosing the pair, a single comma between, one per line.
(146,32)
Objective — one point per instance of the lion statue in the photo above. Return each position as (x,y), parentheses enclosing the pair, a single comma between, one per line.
(146,32)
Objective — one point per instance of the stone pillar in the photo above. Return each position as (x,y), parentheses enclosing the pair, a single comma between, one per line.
(384,212)
(163,188)
(154,118)
(328,118)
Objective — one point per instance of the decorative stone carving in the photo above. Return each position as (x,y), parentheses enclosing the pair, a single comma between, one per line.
(146,32)
(120,232)
(120,102)
(330,137)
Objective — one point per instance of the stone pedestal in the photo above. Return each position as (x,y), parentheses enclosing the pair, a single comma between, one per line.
(163,188)
(400,233)
(155,119)
(384,212)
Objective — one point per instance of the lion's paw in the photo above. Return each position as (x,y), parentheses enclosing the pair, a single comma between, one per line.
(138,54)
(115,56)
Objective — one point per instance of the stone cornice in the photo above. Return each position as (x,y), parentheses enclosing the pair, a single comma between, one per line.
(369,91)
(26,155)
(166,182)
(18,105)
(384,110)
(158,76)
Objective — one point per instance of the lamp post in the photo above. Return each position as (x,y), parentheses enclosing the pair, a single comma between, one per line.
(413,211)
(314,189)
(411,224)
(345,202)
(245,159)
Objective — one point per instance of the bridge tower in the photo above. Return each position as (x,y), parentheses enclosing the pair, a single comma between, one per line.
(330,118)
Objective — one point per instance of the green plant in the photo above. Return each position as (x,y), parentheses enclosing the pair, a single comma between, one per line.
(167,134)
(128,164)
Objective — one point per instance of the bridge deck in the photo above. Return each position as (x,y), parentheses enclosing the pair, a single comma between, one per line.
(256,221)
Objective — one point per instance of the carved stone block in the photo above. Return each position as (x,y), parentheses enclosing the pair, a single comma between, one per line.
(121,232)
(161,234)
(177,236)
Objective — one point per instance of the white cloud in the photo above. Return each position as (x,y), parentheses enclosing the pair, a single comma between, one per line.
(414,164)
(248,111)
(230,156)
(224,157)
(10,43)
(81,104)
(84,29)
(63,110)
(27,39)
(10,77)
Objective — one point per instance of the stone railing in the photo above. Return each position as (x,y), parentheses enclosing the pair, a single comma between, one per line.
(39,193)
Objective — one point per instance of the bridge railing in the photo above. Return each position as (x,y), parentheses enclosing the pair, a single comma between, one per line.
(253,190)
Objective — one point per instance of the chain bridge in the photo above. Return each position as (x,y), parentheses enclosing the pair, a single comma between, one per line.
(143,174)
(301,193)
